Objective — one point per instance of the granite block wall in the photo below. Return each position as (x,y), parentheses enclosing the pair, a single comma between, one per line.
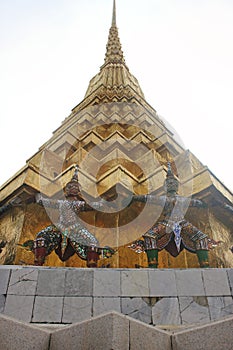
(42,295)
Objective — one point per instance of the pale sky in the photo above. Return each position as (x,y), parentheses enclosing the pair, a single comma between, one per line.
(181,51)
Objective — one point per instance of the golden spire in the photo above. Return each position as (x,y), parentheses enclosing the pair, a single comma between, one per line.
(114,53)
(114,14)
(114,79)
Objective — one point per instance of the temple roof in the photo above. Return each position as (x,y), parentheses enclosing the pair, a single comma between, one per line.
(114,78)
(95,121)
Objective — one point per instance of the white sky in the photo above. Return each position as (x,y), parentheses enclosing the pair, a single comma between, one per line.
(181,51)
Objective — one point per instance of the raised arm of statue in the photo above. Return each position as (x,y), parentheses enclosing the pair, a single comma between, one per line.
(228,207)
(15,202)
(4,208)
(45,202)
(197,203)
(149,198)
(80,206)
(2,245)
(139,198)
(83,206)
(97,205)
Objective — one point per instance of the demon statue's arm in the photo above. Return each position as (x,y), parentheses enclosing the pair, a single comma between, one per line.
(149,198)
(84,206)
(16,202)
(197,203)
(2,245)
(77,205)
(228,207)
(4,208)
(46,202)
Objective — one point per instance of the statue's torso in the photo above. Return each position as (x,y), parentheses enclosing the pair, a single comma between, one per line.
(68,211)
(175,208)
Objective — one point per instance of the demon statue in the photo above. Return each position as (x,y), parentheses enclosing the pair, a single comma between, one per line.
(173,232)
(68,236)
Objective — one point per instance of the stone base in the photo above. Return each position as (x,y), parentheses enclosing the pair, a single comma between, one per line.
(164,298)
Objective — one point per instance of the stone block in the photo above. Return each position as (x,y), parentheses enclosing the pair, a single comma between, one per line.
(216,335)
(103,305)
(23,282)
(106,283)
(189,283)
(110,331)
(137,308)
(166,312)
(120,330)
(51,282)
(230,279)
(220,307)
(19,306)
(162,283)
(194,310)
(79,282)
(147,337)
(15,335)
(2,302)
(4,280)
(47,309)
(216,282)
(134,283)
(76,309)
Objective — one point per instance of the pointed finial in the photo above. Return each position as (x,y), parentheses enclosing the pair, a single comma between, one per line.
(75,176)
(114,14)
(169,169)
(171,183)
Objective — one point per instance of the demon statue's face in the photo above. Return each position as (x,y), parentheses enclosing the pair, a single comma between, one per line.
(171,185)
(72,189)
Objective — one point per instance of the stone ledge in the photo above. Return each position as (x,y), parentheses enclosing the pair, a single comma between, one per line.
(216,335)
(114,331)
